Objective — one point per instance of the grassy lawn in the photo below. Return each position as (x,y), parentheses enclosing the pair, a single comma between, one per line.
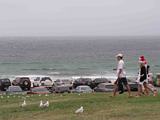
(97,106)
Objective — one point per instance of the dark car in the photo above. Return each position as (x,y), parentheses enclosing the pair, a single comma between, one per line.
(82,81)
(4,84)
(23,82)
(133,86)
(39,90)
(62,89)
(63,82)
(104,87)
(15,90)
(97,81)
(157,80)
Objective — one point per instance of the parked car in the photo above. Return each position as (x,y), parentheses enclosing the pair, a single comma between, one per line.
(38,90)
(82,89)
(4,84)
(15,90)
(82,81)
(23,82)
(61,89)
(42,81)
(104,87)
(157,80)
(133,86)
(97,81)
(63,82)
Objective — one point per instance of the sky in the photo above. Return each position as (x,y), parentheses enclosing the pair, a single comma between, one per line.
(79,17)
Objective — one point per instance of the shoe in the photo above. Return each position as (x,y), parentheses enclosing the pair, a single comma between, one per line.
(121,92)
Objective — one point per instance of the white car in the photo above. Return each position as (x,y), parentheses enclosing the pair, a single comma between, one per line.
(42,81)
(39,80)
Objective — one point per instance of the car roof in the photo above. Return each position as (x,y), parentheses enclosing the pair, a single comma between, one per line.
(83,86)
(14,87)
(39,87)
(30,76)
(106,83)
(4,79)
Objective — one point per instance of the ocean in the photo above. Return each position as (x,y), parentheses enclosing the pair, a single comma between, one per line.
(75,56)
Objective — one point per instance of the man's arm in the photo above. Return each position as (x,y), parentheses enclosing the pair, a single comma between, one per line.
(118,76)
(119,73)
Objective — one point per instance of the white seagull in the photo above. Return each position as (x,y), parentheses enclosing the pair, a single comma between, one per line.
(80,110)
(46,95)
(23,104)
(41,104)
(46,104)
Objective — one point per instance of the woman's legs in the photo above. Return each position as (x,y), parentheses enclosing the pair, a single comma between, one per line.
(139,90)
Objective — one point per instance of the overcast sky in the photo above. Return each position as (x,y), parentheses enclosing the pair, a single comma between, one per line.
(79,17)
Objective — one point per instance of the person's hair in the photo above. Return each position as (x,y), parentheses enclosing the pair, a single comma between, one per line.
(121,57)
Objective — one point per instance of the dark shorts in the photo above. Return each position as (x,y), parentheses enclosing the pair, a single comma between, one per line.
(123,81)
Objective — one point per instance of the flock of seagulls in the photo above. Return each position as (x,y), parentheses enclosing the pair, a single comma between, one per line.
(41,105)
(45,104)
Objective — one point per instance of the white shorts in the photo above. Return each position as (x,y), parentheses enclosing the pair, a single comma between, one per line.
(141,83)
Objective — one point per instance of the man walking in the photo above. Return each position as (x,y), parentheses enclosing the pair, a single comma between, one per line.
(121,76)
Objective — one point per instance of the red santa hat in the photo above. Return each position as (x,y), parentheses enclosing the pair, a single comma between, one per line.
(142,59)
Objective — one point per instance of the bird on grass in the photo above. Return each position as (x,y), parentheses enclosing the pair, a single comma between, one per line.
(41,104)
(80,110)
(24,104)
(44,105)
(46,95)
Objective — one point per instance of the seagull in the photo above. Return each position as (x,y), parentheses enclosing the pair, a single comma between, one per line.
(41,104)
(46,104)
(80,110)
(23,104)
(2,97)
(46,95)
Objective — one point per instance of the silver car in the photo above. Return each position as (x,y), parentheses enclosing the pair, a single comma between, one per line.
(15,90)
(82,89)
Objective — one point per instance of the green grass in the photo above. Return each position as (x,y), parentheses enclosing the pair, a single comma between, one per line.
(97,106)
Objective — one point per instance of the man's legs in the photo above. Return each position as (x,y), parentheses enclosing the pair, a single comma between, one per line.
(128,89)
(115,89)
(124,80)
(120,86)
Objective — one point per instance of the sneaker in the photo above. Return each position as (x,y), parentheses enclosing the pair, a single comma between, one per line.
(121,92)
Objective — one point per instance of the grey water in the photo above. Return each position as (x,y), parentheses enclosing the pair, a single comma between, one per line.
(75,56)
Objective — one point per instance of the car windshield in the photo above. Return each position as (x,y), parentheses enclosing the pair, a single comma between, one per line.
(5,80)
(46,78)
(57,81)
(85,88)
(37,79)
(66,81)
(40,90)
(25,78)
(15,89)
(109,86)
(100,79)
